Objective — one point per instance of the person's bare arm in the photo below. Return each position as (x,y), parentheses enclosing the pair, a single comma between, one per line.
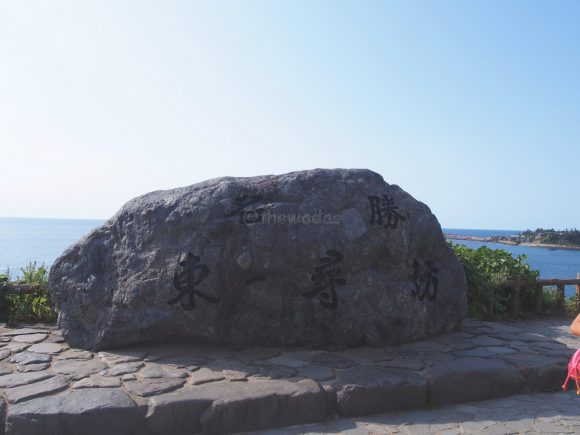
(575,327)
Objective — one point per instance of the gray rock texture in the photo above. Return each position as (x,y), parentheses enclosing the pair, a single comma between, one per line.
(90,411)
(318,258)
(264,404)
(480,378)
(371,389)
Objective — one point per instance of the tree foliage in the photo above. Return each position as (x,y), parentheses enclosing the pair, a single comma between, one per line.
(486,270)
(34,306)
(551,236)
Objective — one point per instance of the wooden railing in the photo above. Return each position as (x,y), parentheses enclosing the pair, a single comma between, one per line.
(517,285)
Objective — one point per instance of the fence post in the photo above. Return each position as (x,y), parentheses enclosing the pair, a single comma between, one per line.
(539,299)
(560,298)
(578,294)
(516,291)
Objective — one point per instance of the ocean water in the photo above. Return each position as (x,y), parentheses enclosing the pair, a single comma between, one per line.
(552,263)
(25,240)
(43,240)
(480,233)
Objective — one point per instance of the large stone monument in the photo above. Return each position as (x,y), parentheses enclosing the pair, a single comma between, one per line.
(318,258)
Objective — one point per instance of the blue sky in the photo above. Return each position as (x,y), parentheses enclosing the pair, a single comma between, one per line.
(472,107)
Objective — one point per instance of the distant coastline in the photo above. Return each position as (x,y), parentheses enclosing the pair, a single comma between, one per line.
(511,242)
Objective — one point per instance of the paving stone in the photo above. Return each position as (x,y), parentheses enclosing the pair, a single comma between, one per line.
(477,426)
(304,354)
(466,409)
(405,364)
(345,427)
(487,341)
(183,360)
(366,355)
(183,356)
(122,368)
(156,352)
(470,379)
(526,336)
(499,350)
(460,344)
(418,429)
(462,335)
(288,362)
(30,338)
(545,371)
(373,389)
(205,375)
(152,387)
(316,373)
(24,358)
(496,429)
(438,427)
(122,356)
(524,348)
(516,343)
(545,427)
(453,431)
(423,346)
(25,331)
(474,331)
(500,327)
(98,382)
(47,348)
(237,407)
(5,369)
(4,353)
(153,371)
(333,360)
(274,372)
(408,353)
(89,411)
(439,357)
(479,418)
(78,369)
(16,347)
(17,379)
(32,367)
(542,373)
(36,389)
(257,353)
(75,354)
(223,365)
(53,338)
(478,352)
(235,376)
(551,345)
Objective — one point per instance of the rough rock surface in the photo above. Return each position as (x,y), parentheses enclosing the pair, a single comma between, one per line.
(322,257)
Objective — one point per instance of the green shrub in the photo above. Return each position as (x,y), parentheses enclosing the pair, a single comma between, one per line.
(34,306)
(550,304)
(4,301)
(486,270)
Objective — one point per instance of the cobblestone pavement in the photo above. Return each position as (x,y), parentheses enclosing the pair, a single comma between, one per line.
(532,413)
(49,388)
(539,413)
